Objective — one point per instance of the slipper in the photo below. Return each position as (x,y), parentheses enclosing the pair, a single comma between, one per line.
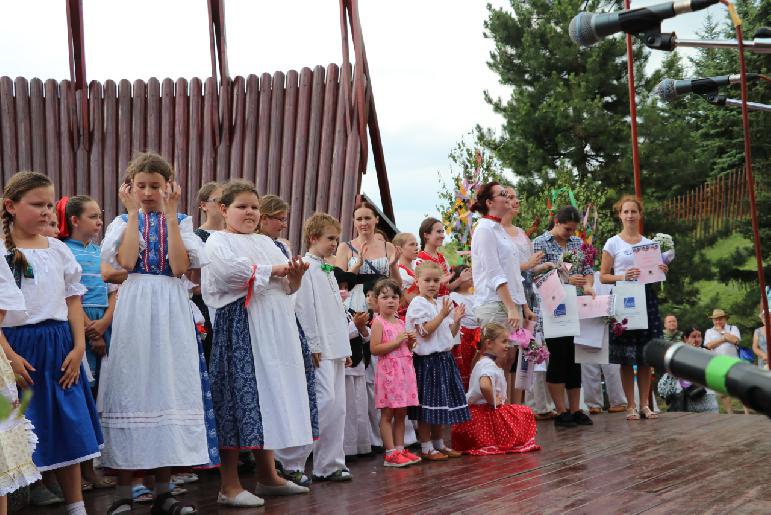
(103,482)
(287,489)
(176,489)
(141,494)
(244,499)
(595,411)
(184,478)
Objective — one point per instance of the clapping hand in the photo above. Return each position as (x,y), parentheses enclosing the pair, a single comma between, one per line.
(446,307)
(412,339)
(460,310)
(360,320)
(465,275)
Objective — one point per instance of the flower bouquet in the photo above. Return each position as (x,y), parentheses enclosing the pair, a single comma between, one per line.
(616,327)
(534,351)
(667,246)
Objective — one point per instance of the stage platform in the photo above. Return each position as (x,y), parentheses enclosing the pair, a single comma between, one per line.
(681,463)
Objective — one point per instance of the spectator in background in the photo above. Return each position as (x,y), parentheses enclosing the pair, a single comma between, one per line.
(670,329)
(759,346)
(723,338)
(682,395)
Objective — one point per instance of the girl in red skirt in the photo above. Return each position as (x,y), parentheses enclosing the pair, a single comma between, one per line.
(469,325)
(495,427)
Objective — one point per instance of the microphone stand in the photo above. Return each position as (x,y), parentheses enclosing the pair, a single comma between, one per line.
(722,101)
(667,42)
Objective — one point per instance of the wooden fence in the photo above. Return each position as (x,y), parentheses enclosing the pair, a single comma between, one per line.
(286,132)
(715,205)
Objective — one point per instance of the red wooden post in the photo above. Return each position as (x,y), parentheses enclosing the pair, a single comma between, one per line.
(633,114)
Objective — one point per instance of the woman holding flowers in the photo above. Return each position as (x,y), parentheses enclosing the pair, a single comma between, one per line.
(560,246)
(626,349)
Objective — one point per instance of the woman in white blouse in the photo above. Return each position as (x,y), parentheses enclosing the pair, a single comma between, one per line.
(499,295)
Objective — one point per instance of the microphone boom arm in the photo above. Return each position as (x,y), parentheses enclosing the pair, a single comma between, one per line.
(721,100)
(670,41)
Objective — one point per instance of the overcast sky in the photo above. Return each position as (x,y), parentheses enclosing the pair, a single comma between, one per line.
(427,60)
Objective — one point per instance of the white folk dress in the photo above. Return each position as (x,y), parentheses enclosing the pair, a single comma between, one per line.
(241,263)
(17,440)
(150,393)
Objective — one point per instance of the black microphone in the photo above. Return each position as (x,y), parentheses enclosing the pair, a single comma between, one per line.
(725,374)
(587,29)
(669,90)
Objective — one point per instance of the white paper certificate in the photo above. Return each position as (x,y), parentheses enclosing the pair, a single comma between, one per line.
(593,307)
(630,304)
(593,332)
(563,320)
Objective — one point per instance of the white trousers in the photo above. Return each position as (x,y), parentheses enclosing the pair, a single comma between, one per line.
(356,439)
(293,458)
(328,452)
(538,398)
(591,381)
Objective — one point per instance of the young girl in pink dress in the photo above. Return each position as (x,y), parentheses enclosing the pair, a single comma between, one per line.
(395,384)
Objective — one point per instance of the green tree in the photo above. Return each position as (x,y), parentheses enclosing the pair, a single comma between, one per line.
(568,105)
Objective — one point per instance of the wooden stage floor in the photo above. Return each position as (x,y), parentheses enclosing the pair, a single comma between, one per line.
(680,463)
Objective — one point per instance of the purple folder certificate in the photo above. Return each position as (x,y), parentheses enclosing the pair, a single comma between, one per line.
(647,258)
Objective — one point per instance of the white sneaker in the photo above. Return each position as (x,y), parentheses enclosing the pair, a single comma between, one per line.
(244,499)
(288,489)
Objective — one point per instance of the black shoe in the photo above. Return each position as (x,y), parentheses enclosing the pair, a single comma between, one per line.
(377,449)
(565,420)
(350,457)
(582,419)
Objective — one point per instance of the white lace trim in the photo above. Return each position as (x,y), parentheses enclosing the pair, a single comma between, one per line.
(71,462)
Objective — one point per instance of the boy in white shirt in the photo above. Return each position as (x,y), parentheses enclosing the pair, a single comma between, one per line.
(322,316)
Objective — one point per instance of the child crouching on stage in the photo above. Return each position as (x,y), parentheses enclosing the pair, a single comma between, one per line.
(395,385)
(323,317)
(469,325)
(442,400)
(495,427)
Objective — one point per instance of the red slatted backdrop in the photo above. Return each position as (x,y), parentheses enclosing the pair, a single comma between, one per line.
(301,135)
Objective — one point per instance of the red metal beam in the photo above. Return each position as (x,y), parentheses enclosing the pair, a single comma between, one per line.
(77,58)
(633,115)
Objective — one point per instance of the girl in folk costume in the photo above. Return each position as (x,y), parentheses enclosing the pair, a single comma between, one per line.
(152,394)
(80,222)
(256,365)
(441,397)
(495,427)
(395,385)
(409,253)
(431,234)
(273,221)
(17,440)
(209,205)
(47,341)
(469,325)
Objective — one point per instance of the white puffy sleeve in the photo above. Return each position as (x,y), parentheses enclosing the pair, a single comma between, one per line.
(195,247)
(112,239)
(227,272)
(11,298)
(418,313)
(72,270)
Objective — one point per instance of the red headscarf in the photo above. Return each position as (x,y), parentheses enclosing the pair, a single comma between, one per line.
(61,217)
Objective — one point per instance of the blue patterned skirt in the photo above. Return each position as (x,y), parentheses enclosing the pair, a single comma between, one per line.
(208,410)
(66,422)
(627,349)
(233,382)
(440,391)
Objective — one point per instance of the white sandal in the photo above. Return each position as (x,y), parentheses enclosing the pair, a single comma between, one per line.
(244,499)
(632,414)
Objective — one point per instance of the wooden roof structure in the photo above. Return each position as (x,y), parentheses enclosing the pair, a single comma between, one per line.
(303,135)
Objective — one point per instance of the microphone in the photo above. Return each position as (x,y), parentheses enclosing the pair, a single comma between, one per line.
(669,90)
(587,28)
(722,373)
